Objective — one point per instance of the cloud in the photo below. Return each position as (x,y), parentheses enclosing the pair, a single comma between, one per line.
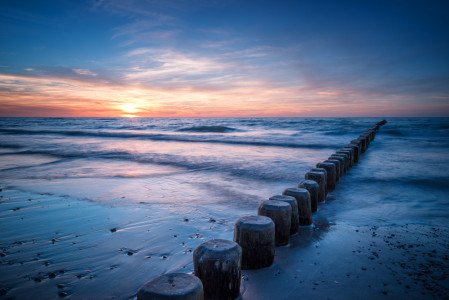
(160,64)
(23,16)
(132,8)
(51,96)
(84,72)
(175,62)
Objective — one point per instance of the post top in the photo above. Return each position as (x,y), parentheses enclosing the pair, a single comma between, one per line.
(296,191)
(283,198)
(315,173)
(255,222)
(218,245)
(275,205)
(320,170)
(308,184)
(332,160)
(324,163)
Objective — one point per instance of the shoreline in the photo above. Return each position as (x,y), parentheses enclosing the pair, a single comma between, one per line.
(330,260)
(383,233)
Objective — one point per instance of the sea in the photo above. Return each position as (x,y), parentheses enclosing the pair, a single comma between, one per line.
(230,161)
(197,176)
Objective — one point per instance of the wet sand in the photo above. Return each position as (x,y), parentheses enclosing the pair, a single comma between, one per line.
(94,250)
(57,247)
(382,234)
(392,262)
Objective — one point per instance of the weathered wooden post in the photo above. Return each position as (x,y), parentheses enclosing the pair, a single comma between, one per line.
(356,151)
(345,159)
(366,136)
(302,197)
(281,214)
(331,174)
(295,212)
(218,264)
(321,170)
(351,162)
(342,163)
(352,154)
(255,234)
(320,179)
(362,141)
(314,189)
(336,163)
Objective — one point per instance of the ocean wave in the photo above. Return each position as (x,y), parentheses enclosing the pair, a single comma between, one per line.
(168,137)
(221,129)
(10,146)
(253,171)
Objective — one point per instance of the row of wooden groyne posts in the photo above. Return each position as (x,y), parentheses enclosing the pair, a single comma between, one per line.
(218,263)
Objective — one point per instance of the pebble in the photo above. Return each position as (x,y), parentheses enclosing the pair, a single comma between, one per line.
(52,275)
(62,294)
(113,229)
(60,285)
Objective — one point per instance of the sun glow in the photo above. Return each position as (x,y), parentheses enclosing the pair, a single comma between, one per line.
(129,108)
(54,96)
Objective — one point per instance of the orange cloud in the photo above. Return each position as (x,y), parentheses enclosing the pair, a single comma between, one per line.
(61,97)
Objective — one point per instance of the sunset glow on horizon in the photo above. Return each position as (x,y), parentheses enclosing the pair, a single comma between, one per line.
(224,59)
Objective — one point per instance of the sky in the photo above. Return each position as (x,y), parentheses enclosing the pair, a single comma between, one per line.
(162,58)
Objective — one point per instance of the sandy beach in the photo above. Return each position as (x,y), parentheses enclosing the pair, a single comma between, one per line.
(53,245)
(382,234)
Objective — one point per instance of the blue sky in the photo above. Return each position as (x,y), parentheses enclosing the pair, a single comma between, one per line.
(224,58)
